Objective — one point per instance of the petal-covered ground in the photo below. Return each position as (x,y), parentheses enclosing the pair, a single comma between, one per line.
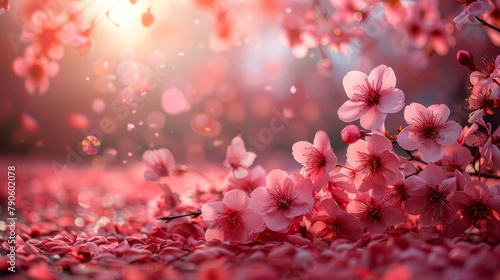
(97,222)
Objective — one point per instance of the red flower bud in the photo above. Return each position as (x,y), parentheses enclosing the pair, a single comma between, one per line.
(351,133)
(467,59)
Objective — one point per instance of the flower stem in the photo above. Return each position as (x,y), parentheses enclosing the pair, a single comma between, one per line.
(487,24)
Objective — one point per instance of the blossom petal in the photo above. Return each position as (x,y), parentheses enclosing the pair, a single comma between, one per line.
(432,175)
(356,207)
(392,215)
(354,153)
(260,199)
(321,141)
(277,221)
(212,211)
(412,112)
(276,178)
(235,200)
(20,67)
(462,199)
(391,101)
(379,143)
(431,151)
(441,111)
(372,118)
(352,81)
(351,111)
(383,76)
(251,219)
(299,151)
(240,172)
(450,133)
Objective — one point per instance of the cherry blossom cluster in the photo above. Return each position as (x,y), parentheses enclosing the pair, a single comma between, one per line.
(437,190)
(106,230)
(50,26)
(340,26)
(345,26)
(46,32)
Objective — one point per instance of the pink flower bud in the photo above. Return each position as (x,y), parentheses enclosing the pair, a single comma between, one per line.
(467,59)
(351,133)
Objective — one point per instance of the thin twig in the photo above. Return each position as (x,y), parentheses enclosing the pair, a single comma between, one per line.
(487,24)
(192,214)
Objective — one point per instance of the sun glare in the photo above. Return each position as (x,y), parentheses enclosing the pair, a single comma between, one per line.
(124,20)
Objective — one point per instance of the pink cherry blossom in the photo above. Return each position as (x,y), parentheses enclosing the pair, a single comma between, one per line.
(477,203)
(441,37)
(283,198)
(485,75)
(455,157)
(375,164)
(428,131)
(374,216)
(231,220)
(490,151)
(488,142)
(371,97)
(46,32)
(4,4)
(159,163)
(256,178)
(480,101)
(331,222)
(472,8)
(238,159)
(429,196)
(297,37)
(397,194)
(395,12)
(316,158)
(36,70)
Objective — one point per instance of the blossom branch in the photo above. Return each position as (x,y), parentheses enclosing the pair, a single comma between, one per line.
(487,24)
(192,214)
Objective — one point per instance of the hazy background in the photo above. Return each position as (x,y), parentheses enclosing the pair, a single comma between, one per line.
(223,92)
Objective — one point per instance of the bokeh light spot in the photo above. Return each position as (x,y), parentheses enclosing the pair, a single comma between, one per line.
(173,101)
(91,145)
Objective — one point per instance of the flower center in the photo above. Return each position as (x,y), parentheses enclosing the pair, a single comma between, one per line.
(234,162)
(414,29)
(282,197)
(36,71)
(398,195)
(233,219)
(480,101)
(429,131)
(488,67)
(476,212)
(284,203)
(315,160)
(374,214)
(337,228)
(370,93)
(47,39)
(435,196)
(370,164)
(161,169)
(427,126)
